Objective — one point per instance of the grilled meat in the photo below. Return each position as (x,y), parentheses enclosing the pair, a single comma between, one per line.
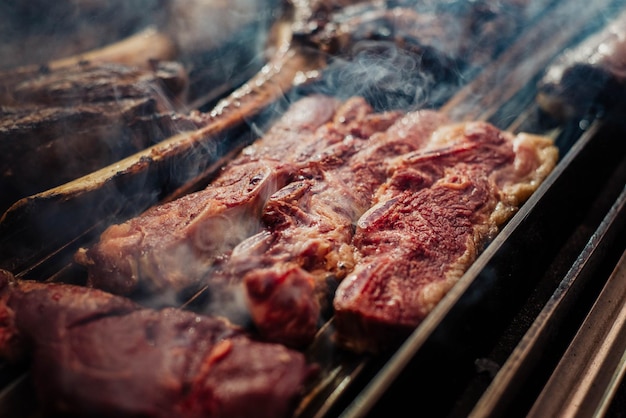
(38,31)
(588,77)
(219,43)
(172,246)
(95,354)
(66,123)
(290,267)
(430,221)
(165,82)
(280,218)
(413,53)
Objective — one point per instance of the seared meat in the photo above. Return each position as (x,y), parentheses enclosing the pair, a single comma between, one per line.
(172,246)
(413,53)
(431,220)
(165,82)
(95,354)
(64,124)
(280,218)
(589,76)
(308,225)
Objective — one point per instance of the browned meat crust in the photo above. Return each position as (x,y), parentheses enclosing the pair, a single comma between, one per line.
(95,354)
(174,245)
(62,124)
(308,225)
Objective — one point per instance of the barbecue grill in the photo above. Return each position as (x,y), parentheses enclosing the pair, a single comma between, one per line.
(535,326)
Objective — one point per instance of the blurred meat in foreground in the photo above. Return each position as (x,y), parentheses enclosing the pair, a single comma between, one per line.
(98,355)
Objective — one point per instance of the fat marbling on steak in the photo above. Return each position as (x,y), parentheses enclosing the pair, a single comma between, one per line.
(430,221)
(99,355)
(290,267)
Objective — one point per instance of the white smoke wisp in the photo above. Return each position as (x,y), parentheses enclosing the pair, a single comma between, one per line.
(204,24)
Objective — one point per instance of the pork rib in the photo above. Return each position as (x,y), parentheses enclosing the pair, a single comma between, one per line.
(430,222)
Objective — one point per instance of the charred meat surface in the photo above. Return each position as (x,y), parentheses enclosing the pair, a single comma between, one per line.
(172,246)
(436,46)
(429,223)
(589,76)
(165,82)
(95,354)
(220,43)
(69,122)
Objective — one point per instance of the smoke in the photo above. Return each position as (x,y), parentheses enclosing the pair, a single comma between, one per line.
(389,77)
(38,31)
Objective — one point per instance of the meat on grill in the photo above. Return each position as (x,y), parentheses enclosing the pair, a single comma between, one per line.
(589,76)
(172,246)
(165,82)
(290,267)
(95,354)
(430,221)
(69,122)
(289,240)
(417,52)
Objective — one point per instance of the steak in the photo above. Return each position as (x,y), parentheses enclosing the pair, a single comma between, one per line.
(413,53)
(290,268)
(430,221)
(172,246)
(95,354)
(39,31)
(274,233)
(588,77)
(69,122)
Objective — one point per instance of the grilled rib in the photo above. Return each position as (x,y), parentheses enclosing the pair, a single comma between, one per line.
(70,122)
(417,52)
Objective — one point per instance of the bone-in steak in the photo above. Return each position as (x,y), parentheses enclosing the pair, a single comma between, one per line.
(172,246)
